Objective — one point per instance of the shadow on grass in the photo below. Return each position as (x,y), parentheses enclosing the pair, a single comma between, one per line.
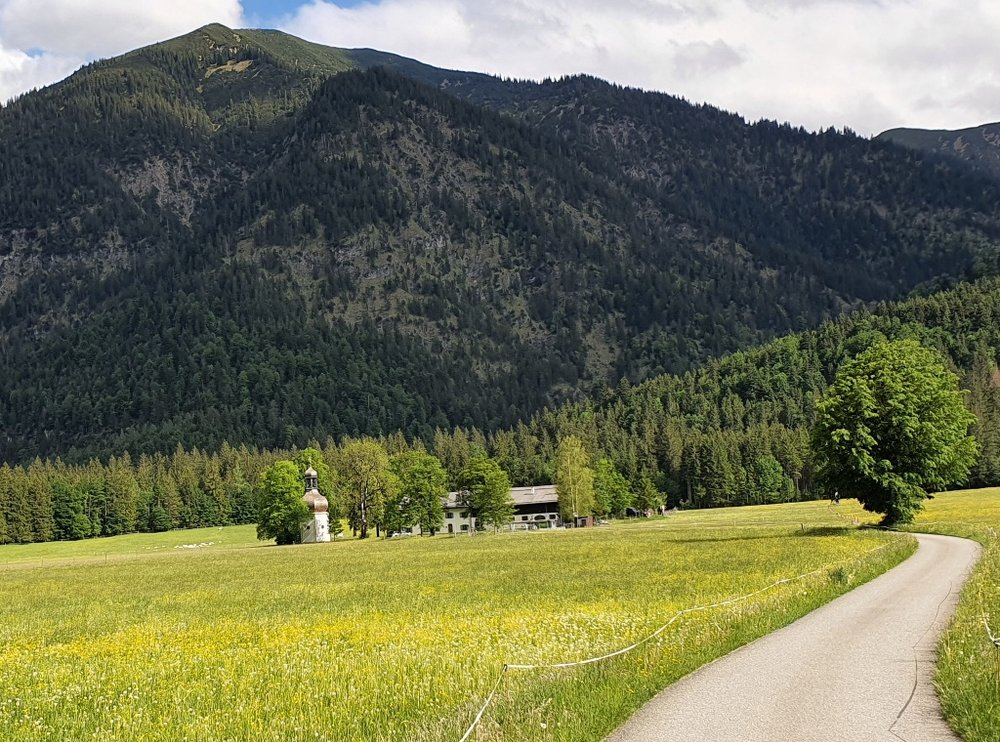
(826,531)
(812,531)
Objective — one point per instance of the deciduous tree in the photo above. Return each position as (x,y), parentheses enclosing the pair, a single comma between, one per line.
(486,492)
(423,484)
(892,426)
(365,482)
(574,480)
(280,507)
(612,494)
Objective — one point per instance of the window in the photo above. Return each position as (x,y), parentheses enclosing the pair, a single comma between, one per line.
(464,514)
(524,517)
(465,527)
(449,514)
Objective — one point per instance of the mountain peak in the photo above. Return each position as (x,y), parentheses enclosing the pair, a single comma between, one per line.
(977,147)
(219,237)
(213,28)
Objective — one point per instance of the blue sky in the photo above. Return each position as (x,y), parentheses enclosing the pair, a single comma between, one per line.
(270,12)
(866,64)
(272,8)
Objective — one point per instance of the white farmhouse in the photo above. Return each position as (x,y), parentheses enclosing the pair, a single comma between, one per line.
(533,506)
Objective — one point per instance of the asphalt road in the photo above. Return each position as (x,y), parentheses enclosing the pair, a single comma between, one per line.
(858,669)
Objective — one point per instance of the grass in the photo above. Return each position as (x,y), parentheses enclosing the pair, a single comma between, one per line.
(125,548)
(968,672)
(132,638)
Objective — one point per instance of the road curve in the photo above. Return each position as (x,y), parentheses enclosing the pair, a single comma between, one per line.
(858,669)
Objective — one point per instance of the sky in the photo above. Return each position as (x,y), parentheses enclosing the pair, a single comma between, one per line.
(868,65)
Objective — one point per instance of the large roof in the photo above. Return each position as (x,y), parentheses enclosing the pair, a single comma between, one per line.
(540,494)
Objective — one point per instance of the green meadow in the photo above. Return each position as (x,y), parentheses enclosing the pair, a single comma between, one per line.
(209,635)
(968,674)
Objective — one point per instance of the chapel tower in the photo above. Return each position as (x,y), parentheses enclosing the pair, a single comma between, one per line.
(317,528)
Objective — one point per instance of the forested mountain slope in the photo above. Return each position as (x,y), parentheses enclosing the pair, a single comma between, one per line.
(977,147)
(244,236)
(733,432)
(703,435)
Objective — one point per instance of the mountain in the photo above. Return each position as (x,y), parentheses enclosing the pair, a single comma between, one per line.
(977,147)
(703,436)
(240,235)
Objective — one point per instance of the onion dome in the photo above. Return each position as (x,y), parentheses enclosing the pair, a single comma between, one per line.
(316,502)
(313,499)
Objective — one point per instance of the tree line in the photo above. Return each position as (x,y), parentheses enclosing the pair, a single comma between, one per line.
(734,432)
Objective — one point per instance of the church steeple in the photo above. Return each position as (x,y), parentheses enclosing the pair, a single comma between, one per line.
(312,479)
(317,528)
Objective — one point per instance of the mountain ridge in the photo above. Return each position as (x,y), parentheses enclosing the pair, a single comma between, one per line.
(977,147)
(460,253)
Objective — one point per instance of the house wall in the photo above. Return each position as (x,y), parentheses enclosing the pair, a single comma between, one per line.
(539,516)
(460,522)
(457,520)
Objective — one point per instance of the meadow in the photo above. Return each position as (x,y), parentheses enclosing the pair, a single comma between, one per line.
(968,672)
(208,635)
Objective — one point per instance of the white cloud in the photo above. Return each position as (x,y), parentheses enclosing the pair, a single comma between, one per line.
(107,27)
(867,64)
(20,72)
(64,34)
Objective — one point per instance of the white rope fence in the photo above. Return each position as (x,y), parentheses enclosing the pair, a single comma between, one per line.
(657,632)
(847,519)
(989,632)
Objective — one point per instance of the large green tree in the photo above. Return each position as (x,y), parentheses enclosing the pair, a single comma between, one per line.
(765,480)
(423,484)
(280,507)
(648,498)
(891,427)
(574,480)
(486,492)
(366,484)
(612,494)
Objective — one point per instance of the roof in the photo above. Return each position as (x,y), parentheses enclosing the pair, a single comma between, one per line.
(316,502)
(540,494)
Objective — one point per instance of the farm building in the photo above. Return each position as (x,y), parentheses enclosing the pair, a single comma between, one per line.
(538,506)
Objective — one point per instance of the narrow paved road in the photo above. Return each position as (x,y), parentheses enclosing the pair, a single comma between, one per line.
(859,669)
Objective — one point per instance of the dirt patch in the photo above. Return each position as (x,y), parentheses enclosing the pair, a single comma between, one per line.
(230,66)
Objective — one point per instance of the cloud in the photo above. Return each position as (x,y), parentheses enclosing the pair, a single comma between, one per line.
(62,35)
(106,27)
(700,59)
(20,71)
(867,64)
